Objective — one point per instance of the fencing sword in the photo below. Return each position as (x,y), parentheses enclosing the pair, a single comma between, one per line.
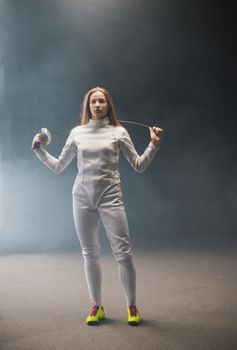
(49,135)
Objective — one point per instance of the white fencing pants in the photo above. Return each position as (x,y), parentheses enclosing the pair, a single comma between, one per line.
(110,210)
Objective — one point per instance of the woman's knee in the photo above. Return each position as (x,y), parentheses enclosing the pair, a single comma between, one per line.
(124,258)
(91,255)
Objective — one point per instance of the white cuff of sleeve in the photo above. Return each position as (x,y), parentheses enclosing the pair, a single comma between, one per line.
(151,146)
(41,154)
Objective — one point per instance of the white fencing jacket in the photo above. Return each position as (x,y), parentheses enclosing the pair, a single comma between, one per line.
(97,145)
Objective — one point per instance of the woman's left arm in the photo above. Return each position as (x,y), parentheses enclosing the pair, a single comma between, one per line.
(140,163)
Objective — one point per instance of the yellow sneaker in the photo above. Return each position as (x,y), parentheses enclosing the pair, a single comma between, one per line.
(134,318)
(97,314)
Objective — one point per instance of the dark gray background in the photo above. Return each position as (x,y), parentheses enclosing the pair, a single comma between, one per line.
(166,63)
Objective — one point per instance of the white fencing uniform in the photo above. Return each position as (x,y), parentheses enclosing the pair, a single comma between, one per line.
(97,194)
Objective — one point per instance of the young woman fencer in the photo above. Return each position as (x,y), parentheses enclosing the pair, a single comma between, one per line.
(97,192)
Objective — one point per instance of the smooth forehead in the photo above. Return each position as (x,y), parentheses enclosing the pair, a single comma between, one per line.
(97,94)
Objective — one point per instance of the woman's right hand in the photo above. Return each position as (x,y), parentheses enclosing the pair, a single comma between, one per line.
(38,140)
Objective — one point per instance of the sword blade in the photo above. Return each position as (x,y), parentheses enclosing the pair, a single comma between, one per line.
(120,121)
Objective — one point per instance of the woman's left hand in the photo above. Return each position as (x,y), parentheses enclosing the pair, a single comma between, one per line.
(156,135)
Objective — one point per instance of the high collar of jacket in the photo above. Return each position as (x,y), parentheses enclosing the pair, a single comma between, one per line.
(98,123)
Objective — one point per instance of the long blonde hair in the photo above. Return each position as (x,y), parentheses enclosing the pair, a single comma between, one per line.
(85,108)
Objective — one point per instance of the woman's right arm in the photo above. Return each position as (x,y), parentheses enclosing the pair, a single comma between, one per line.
(56,165)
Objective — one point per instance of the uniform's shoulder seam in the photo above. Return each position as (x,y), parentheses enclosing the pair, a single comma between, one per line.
(120,128)
(75,130)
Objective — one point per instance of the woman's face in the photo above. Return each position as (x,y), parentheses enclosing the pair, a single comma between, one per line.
(98,105)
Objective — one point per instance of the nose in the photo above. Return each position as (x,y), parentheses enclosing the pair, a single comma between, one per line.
(97,103)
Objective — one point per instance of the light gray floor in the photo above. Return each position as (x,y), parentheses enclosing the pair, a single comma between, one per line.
(187,300)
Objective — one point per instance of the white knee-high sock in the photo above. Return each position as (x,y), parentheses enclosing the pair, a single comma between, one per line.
(127,274)
(93,277)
